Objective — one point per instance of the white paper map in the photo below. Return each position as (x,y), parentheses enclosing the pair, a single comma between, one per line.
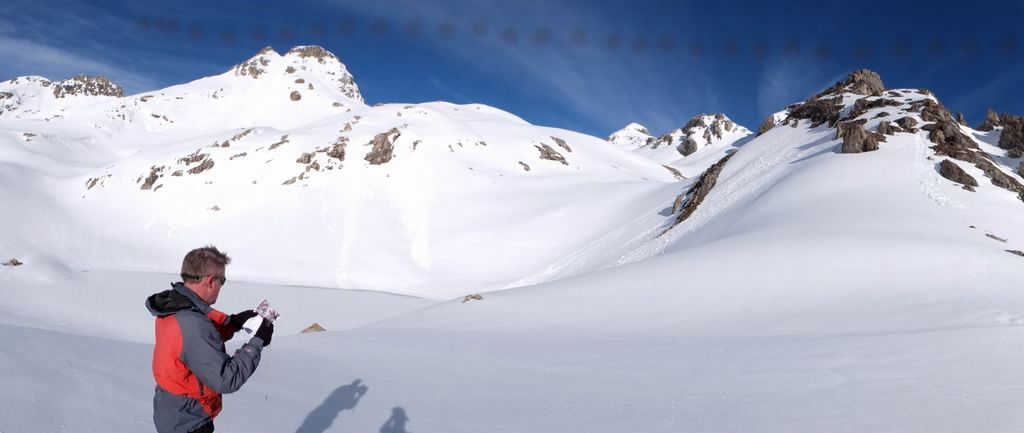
(263,311)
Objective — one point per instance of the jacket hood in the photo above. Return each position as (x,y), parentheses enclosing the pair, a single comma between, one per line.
(177,298)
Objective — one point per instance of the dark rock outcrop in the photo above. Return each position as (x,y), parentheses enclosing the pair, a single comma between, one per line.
(383,147)
(674,172)
(1012,136)
(718,127)
(192,158)
(885,128)
(312,51)
(561,143)
(687,147)
(154,175)
(337,150)
(695,122)
(13,262)
(908,124)
(203,166)
(818,111)
(862,82)
(283,140)
(995,238)
(253,67)
(931,110)
(991,121)
(295,95)
(766,125)
(949,170)
(546,152)
(862,106)
(687,203)
(855,138)
(950,141)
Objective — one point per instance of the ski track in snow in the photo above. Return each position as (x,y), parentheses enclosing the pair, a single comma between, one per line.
(927,177)
(349,215)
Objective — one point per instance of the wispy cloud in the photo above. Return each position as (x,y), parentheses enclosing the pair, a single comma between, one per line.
(23,57)
(606,88)
(786,80)
(976,100)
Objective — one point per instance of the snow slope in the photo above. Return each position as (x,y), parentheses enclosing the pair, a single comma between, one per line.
(453,198)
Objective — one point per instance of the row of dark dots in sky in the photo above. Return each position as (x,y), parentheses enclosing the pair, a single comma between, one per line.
(577,38)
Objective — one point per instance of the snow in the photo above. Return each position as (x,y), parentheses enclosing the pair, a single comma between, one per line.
(810,291)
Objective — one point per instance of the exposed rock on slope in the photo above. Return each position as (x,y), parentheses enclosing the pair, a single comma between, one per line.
(861,82)
(1012,136)
(88,86)
(383,147)
(950,140)
(949,170)
(546,152)
(855,138)
(686,204)
(991,121)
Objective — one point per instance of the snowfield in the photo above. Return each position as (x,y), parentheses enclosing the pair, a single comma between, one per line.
(809,290)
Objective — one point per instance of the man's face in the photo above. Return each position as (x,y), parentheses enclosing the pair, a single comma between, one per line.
(214,284)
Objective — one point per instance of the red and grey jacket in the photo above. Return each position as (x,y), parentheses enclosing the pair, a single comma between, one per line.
(190,364)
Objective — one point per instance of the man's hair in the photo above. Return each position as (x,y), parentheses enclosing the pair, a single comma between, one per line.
(203,261)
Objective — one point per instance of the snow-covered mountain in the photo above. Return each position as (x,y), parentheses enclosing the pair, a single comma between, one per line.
(691,149)
(280,161)
(855,266)
(631,137)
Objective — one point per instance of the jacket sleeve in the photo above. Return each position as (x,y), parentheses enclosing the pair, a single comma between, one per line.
(202,351)
(222,322)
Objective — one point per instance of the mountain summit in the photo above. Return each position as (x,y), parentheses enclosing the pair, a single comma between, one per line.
(300,63)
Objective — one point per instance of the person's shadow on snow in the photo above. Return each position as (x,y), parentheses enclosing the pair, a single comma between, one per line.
(345,397)
(395,424)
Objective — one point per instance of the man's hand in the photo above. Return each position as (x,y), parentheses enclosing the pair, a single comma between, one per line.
(265,332)
(238,319)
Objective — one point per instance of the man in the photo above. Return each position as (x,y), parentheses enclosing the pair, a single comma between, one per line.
(190,364)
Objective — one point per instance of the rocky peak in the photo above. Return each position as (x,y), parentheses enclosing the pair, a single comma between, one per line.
(88,86)
(862,82)
(256,65)
(714,125)
(702,130)
(302,61)
(312,51)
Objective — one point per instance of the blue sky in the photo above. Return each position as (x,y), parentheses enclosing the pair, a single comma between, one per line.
(591,66)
